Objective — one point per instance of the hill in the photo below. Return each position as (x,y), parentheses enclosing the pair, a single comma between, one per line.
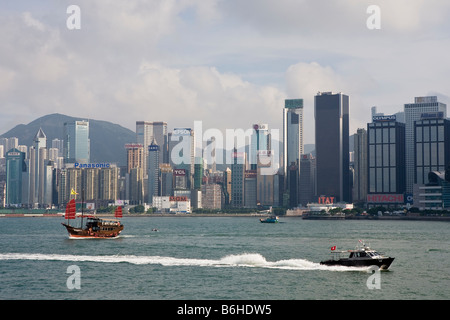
(107,139)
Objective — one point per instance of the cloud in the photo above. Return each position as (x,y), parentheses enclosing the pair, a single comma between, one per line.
(229,63)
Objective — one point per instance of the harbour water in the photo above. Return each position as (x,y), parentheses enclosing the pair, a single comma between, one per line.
(222,258)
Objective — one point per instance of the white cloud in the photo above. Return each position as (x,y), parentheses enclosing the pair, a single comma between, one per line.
(229,63)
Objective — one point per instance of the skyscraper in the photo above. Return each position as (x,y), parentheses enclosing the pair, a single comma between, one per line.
(153,170)
(386,161)
(238,179)
(146,131)
(15,166)
(360,166)
(431,145)
(181,152)
(260,141)
(307,183)
(292,144)
(413,112)
(76,142)
(332,145)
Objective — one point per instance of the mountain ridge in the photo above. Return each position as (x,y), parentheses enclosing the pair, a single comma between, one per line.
(107,139)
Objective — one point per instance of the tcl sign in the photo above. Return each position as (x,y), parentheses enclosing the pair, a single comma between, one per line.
(179,172)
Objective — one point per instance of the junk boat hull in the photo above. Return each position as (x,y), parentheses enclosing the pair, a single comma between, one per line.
(96,229)
(383,263)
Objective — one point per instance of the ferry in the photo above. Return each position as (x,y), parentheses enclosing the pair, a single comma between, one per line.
(362,256)
(271,219)
(95,228)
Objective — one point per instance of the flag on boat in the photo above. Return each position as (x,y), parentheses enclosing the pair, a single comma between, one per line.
(118,212)
(73,192)
(71,209)
(333,248)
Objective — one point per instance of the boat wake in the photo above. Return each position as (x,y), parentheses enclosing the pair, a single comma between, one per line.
(249,260)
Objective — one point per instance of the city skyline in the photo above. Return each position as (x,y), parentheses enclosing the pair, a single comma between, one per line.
(215,59)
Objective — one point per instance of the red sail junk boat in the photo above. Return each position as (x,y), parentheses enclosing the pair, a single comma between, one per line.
(95,228)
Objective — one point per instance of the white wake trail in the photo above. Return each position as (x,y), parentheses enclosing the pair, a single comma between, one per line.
(250,260)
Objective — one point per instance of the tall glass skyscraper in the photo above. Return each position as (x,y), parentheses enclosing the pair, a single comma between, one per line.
(292,145)
(77,146)
(15,166)
(413,112)
(332,145)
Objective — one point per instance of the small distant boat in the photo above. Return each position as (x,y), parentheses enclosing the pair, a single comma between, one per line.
(271,219)
(95,228)
(362,256)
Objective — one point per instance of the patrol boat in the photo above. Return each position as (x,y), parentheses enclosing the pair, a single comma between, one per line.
(362,256)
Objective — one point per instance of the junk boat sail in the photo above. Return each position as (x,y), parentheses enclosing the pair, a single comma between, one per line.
(95,228)
(362,256)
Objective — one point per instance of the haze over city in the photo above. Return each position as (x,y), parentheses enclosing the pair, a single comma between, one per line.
(227,63)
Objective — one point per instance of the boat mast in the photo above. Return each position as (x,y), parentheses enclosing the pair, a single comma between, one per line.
(82,203)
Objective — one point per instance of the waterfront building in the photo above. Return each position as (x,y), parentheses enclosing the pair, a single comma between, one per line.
(250,187)
(307,182)
(431,145)
(386,161)
(332,146)
(434,194)
(413,112)
(211,196)
(166,179)
(76,142)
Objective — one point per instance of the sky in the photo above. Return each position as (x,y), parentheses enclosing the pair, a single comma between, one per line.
(227,63)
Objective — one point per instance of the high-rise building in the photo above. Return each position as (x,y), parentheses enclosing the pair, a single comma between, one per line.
(292,142)
(386,161)
(260,141)
(431,145)
(250,189)
(182,152)
(146,131)
(76,142)
(306,183)
(211,196)
(413,112)
(360,166)
(135,156)
(332,146)
(238,179)
(153,170)
(166,179)
(15,167)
